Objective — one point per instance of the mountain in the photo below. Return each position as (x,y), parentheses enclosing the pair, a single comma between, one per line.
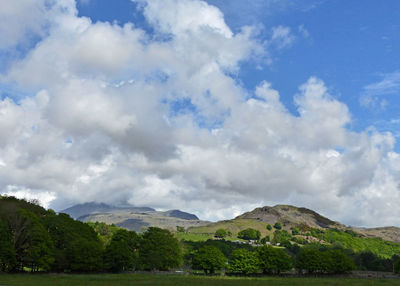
(79,210)
(133,218)
(181,214)
(291,217)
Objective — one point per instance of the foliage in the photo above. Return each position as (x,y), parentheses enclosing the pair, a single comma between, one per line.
(180,228)
(273,260)
(377,246)
(77,246)
(209,259)
(221,233)
(104,231)
(249,234)
(265,239)
(281,236)
(372,262)
(337,261)
(278,225)
(121,254)
(243,261)
(396,266)
(269,227)
(159,249)
(295,231)
(310,260)
(7,251)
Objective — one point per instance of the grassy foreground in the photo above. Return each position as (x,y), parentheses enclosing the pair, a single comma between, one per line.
(175,280)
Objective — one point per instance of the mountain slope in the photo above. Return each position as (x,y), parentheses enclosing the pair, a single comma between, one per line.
(290,217)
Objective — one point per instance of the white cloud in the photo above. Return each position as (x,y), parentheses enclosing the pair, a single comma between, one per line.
(118,116)
(282,37)
(374,94)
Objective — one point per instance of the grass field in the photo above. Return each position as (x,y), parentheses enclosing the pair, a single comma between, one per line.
(175,280)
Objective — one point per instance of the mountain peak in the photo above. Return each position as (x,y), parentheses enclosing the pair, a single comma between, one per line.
(290,216)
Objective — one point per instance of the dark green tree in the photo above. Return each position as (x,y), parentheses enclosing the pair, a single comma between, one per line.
(273,260)
(209,259)
(278,225)
(311,260)
(337,261)
(32,243)
(159,249)
(269,227)
(122,252)
(396,266)
(221,233)
(249,234)
(243,261)
(295,231)
(7,251)
(77,246)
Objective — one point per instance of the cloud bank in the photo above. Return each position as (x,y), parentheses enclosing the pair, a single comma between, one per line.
(116,114)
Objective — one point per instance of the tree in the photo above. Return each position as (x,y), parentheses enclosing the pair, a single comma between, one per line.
(121,253)
(281,236)
(295,231)
(249,234)
(269,227)
(32,243)
(278,225)
(243,261)
(337,261)
(265,239)
(77,245)
(310,260)
(209,259)
(396,266)
(159,249)
(221,233)
(273,260)
(180,229)
(7,251)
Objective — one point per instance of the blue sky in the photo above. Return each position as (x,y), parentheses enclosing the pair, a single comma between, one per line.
(211,107)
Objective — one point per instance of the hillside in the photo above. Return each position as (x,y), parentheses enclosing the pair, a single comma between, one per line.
(291,217)
(133,218)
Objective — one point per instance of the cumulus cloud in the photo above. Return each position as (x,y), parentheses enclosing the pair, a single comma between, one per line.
(117,115)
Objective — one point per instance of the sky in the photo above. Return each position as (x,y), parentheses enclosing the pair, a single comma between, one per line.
(212,107)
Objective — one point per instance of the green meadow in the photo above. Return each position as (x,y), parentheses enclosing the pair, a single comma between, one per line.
(175,280)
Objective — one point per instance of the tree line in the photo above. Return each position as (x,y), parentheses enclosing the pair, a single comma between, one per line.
(35,239)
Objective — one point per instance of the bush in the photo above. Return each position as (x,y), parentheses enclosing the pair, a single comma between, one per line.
(278,225)
(269,227)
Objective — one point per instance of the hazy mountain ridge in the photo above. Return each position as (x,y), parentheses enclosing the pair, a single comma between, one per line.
(133,218)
